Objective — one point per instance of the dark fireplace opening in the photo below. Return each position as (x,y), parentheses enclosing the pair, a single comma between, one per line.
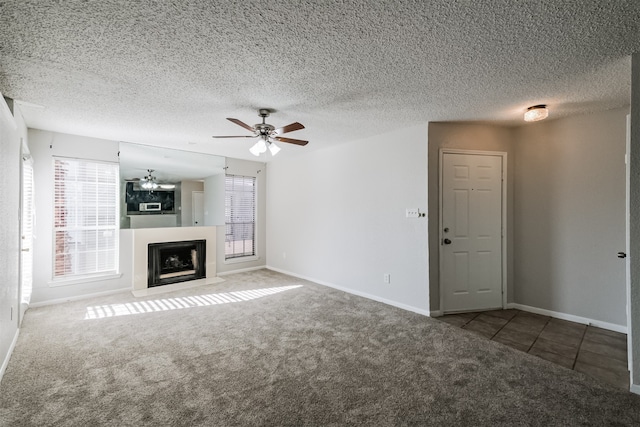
(173,262)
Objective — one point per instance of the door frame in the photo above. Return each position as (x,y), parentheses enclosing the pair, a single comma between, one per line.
(193,208)
(25,155)
(503,218)
(627,246)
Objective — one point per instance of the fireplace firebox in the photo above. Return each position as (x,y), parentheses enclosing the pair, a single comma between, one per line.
(173,262)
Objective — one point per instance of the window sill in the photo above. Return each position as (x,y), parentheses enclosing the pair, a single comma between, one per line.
(241,259)
(85,279)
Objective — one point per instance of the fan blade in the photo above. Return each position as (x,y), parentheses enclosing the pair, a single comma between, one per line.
(239,123)
(290,140)
(235,136)
(289,128)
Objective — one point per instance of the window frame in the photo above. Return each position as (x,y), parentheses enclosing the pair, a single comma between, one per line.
(96,274)
(254,256)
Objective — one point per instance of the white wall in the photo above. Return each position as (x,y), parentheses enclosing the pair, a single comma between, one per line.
(187,188)
(44,145)
(569,216)
(258,170)
(214,199)
(337,216)
(11,131)
(467,136)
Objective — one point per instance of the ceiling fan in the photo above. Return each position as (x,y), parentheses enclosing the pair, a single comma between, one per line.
(267,133)
(150,182)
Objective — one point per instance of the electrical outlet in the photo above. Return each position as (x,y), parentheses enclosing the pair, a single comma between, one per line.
(387,278)
(413,212)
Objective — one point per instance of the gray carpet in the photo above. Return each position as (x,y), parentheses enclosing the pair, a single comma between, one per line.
(294,354)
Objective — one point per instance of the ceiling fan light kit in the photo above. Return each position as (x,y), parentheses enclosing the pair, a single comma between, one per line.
(150,183)
(267,133)
(274,149)
(258,148)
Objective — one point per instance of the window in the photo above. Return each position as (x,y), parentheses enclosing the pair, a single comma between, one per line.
(240,216)
(85,216)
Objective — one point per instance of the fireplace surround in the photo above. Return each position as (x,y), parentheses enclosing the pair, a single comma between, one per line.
(134,244)
(174,262)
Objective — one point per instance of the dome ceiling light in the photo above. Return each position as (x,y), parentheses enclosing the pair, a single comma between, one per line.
(536,112)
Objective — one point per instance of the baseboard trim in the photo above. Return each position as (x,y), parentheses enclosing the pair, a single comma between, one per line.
(570,317)
(353,292)
(635,388)
(436,313)
(5,362)
(241,270)
(77,298)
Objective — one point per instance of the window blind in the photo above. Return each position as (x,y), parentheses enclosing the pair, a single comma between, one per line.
(240,216)
(85,219)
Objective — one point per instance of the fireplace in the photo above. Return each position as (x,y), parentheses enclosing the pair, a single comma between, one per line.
(173,262)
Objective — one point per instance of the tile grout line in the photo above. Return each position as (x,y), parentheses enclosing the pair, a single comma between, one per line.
(575,359)
(501,328)
(469,321)
(538,336)
(573,367)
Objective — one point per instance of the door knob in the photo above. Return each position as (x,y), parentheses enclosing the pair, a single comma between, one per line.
(622,255)
(446,241)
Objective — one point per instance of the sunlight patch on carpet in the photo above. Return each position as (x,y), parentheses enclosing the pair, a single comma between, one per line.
(165,304)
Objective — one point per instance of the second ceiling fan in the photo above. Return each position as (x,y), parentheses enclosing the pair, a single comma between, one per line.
(267,133)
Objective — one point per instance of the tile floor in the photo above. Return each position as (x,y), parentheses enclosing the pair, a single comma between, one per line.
(597,352)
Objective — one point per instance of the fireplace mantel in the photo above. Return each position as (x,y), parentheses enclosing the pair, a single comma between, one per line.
(140,241)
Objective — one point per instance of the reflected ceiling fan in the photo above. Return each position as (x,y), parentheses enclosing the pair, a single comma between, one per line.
(150,182)
(267,133)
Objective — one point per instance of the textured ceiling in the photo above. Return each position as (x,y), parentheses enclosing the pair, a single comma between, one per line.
(169,72)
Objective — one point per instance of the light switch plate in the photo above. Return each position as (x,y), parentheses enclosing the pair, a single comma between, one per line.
(413,212)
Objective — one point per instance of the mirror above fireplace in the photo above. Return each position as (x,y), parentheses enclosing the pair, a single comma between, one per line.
(186,189)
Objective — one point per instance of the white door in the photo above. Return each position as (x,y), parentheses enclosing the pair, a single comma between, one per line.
(471,232)
(26,234)
(197,198)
